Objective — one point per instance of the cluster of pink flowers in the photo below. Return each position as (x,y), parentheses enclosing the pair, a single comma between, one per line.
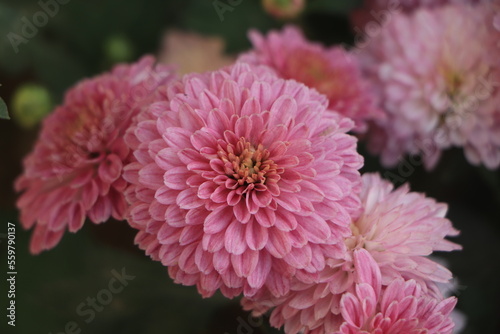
(246,181)
(390,240)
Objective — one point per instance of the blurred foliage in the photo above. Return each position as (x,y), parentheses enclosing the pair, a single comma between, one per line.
(118,48)
(3,110)
(87,37)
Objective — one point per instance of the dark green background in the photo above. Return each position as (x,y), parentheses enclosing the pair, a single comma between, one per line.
(51,286)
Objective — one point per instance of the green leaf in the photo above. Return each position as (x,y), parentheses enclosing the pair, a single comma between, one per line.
(3,110)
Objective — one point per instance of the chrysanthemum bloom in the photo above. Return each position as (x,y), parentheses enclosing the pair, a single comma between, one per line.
(75,169)
(438,87)
(396,230)
(332,71)
(242,181)
(284,9)
(401,307)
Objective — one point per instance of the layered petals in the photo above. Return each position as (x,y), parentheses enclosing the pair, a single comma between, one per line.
(75,169)
(391,240)
(332,71)
(236,160)
(449,98)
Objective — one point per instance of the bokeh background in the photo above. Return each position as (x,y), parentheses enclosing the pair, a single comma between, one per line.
(86,37)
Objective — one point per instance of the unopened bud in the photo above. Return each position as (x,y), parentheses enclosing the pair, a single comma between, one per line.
(30,104)
(284,9)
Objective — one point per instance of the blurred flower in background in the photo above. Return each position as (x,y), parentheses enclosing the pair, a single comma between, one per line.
(332,71)
(449,98)
(191,52)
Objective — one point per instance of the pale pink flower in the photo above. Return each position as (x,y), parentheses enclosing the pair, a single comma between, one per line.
(191,52)
(400,228)
(437,77)
(75,169)
(332,71)
(395,232)
(401,307)
(242,181)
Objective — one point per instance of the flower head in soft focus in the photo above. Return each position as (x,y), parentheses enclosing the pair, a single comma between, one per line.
(75,168)
(242,181)
(449,98)
(379,12)
(191,52)
(332,71)
(284,9)
(401,307)
(395,232)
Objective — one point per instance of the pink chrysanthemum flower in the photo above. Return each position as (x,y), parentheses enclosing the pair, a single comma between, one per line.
(401,307)
(332,71)
(242,181)
(399,228)
(395,231)
(436,92)
(75,169)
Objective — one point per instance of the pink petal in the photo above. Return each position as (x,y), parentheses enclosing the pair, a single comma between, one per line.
(101,210)
(258,277)
(235,238)
(176,178)
(218,220)
(316,228)
(279,243)
(245,263)
(188,199)
(283,111)
(77,218)
(256,235)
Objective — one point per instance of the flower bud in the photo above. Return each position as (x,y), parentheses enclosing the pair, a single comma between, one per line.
(284,9)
